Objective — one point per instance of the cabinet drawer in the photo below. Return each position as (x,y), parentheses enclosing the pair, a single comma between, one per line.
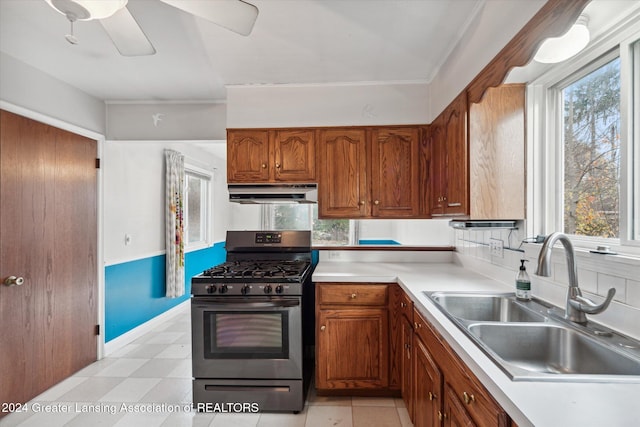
(348,293)
(406,306)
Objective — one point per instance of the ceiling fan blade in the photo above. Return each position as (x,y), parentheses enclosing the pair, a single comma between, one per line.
(126,34)
(235,15)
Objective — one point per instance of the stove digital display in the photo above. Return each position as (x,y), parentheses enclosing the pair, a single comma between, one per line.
(268,238)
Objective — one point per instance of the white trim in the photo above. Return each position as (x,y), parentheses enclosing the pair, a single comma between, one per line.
(60,124)
(148,326)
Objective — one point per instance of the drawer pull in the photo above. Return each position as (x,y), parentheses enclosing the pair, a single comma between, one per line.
(403,304)
(417,325)
(468,398)
(353,296)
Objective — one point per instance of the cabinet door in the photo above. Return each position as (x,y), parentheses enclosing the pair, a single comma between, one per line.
(352,348)
(454,413)
(456,157)
(428,387)
(437,175)
(342,189)
(406,330)
(395,178)
(497,154)
(294,155)
(247,155)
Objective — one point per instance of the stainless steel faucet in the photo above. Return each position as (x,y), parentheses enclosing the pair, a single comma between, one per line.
(577,305)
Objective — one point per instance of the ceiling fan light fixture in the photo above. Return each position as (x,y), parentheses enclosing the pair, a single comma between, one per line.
(86,10)
(558,49)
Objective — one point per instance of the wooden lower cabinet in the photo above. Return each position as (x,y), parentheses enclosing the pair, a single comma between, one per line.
(428,384)
(460,398)
(352,337)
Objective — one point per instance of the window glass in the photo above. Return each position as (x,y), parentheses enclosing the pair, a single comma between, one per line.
(331,232)
(591,136)
(196,202)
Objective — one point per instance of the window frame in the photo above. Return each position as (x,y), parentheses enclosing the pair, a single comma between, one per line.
(545,153)
(206,206)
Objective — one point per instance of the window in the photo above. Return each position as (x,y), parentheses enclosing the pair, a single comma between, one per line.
(584,157)
(329,232)
(196,212)
(591,148)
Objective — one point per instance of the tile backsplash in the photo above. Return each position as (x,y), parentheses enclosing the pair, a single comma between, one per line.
(596,273)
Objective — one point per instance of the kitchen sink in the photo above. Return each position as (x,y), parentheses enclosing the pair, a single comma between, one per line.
(532,341)
(552,349)
(483,307)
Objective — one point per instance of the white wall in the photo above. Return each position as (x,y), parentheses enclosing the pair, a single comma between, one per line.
(166,121)
(26,87)
(494,27)
(134,196)
(327,105)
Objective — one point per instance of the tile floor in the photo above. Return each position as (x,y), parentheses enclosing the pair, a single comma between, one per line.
(148,383)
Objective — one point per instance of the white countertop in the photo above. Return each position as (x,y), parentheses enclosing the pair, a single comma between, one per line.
(537,403)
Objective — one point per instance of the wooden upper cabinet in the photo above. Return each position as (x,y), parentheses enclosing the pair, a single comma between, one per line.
(247,155)
(395,178)
(497,154)
(449,150)
(342,178)
(294,155)
(271,155)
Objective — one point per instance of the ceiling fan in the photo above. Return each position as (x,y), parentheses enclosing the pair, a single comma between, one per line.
(130,40)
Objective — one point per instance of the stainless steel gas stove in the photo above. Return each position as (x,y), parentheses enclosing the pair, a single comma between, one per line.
(252,318)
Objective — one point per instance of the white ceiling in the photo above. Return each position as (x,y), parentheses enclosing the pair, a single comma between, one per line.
(293,41)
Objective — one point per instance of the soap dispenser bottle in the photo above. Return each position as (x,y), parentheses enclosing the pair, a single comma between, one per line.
(523,283)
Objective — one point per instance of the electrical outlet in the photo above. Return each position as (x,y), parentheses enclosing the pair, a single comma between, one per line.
(497,248)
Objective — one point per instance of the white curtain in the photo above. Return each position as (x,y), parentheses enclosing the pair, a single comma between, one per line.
(174,225)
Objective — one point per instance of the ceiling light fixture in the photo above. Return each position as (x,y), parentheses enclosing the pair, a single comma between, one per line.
(558,49)
(86,10)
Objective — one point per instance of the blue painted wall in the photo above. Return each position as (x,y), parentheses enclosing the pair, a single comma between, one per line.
(378,242)
(134,291)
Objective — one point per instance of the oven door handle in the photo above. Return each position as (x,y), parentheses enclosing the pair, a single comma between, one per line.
(244,303)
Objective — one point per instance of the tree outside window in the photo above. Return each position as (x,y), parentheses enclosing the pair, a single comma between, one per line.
(592,153)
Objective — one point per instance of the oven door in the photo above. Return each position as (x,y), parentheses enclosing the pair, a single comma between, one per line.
(249,338)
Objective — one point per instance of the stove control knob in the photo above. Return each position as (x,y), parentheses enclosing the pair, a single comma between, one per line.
(245,289)
(267,289)
(223,289)
(211,289)
(279,289)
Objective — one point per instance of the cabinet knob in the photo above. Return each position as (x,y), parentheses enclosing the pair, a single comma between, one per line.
(323,327)
(468,398)
(440,415)
(403,304)
(14,281)
(361,202)
(376,202)
(277,165)
(417,325)
(432,396)
(353,296)
(264,166)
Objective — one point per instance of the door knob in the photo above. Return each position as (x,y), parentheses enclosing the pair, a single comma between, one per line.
(13,281)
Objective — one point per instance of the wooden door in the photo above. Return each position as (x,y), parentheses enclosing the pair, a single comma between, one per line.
(352,348)
(342,183)
(428,387)
(395,177)
(48,234)
(248,158)
(456,157)
(295,157)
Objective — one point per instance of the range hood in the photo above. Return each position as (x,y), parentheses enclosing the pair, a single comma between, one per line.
(273,193)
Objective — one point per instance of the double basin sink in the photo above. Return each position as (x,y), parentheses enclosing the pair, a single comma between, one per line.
(531,340)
